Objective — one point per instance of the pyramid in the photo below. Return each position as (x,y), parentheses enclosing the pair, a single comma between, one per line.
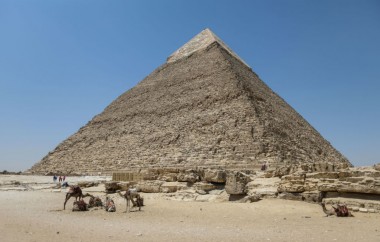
(203,107)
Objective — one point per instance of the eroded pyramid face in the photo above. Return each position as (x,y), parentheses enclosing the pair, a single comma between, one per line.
(203,107)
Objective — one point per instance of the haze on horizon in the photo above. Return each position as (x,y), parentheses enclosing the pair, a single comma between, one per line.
(63,62)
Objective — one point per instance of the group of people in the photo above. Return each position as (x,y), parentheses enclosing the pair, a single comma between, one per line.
(61,178)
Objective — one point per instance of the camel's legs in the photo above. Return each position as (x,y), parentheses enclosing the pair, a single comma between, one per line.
(133,202)
(129,199)
(68,196)
(139,202)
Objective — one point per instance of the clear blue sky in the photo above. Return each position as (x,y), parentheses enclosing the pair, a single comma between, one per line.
(63,61)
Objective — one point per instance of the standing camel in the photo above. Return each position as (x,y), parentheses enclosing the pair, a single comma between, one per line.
(74,191)
(130,195)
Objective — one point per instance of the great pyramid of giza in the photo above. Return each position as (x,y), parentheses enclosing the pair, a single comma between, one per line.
(203,107)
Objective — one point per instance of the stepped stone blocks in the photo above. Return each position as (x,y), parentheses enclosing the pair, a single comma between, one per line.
(204,107)
(358,187)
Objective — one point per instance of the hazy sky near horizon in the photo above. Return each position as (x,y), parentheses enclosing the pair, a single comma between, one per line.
(63,61)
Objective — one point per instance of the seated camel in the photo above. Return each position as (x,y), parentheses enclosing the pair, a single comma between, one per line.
(95,202)
(74,191)
(339,210)
(130,195)
(80,205)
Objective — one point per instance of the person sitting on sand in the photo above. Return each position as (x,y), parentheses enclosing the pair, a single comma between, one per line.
(110,205)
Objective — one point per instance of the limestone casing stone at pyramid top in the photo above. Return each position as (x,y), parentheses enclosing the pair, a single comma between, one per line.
(200,41)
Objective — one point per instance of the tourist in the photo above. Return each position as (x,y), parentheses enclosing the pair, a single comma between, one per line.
(54,178)
(65,184)
(64,178)
(60,178)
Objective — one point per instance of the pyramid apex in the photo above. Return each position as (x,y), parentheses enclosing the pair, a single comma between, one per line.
(205,38)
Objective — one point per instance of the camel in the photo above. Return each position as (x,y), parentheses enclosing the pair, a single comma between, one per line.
(329,212)
(340,210)
(80,205)
(130,195)
(95,202)
(74,191)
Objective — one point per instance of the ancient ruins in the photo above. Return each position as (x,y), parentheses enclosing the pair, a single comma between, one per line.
(201,126)
(203,107)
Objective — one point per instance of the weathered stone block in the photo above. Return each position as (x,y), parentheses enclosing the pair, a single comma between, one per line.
(354,179)
(344,174)
(149,186)
(291,187)
(265,187)
(204,186)
(169,187)
(87,184)
(358,188)
(319,175)
(236,182)
(217,176)
(363,210)
(282,171)
(112,186)
(188,176)
(168,177)
(150,175)
(326,187)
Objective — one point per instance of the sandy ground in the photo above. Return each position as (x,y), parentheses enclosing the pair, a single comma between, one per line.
(38,215)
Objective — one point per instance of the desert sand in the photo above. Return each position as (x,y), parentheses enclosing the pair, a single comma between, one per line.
(33,211)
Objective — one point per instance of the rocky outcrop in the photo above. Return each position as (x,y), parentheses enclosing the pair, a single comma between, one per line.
(351,185)
(348,181)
